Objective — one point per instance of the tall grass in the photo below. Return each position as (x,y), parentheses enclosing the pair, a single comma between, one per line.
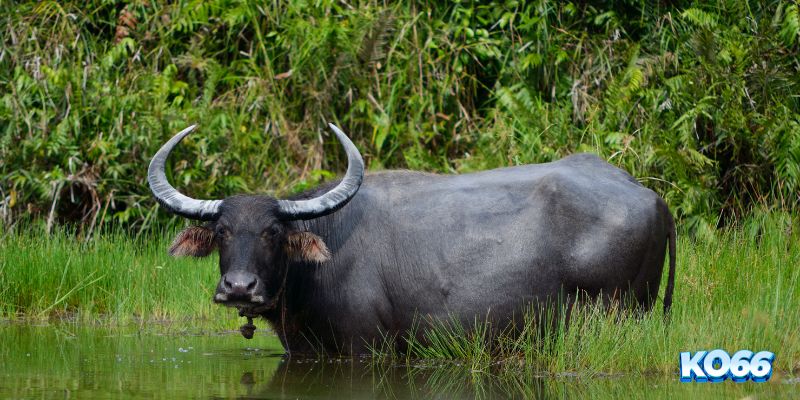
(113,277)
(737,290)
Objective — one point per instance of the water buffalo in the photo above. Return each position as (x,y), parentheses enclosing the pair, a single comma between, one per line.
(349,263)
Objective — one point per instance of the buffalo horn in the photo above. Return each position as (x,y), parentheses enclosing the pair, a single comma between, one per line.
(335,198)
(168,196)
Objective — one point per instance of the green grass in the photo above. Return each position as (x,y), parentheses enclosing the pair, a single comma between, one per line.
(113,277)
(736,289)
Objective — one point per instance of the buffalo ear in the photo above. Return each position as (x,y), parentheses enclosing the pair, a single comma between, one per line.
(195,241)
(306,246)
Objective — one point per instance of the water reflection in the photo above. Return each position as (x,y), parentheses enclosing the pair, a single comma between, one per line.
(360,379)
(88,362)
(311,379)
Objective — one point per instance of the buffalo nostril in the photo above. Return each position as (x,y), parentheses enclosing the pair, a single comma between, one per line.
(239,283)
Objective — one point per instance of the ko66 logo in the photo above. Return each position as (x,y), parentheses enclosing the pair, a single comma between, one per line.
(717,365)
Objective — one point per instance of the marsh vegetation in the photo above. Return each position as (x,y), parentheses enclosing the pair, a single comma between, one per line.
(742,284)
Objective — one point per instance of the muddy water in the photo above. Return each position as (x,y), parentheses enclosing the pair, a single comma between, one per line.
(68,361)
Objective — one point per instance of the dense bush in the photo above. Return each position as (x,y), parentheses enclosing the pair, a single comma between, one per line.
(698,101)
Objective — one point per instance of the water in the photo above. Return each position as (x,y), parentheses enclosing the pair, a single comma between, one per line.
(69,361)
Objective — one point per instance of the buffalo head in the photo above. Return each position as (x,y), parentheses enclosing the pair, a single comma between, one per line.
(253,234)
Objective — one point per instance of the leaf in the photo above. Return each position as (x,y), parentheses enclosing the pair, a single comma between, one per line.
(790,25)
(700,18)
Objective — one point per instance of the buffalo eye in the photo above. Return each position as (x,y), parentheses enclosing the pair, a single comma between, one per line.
(269,233)
(222,232)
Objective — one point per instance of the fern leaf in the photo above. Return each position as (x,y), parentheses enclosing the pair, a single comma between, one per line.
(700,18)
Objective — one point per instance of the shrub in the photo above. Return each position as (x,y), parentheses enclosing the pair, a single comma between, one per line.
(699,102)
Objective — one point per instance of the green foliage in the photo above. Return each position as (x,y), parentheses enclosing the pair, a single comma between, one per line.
(698,102)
